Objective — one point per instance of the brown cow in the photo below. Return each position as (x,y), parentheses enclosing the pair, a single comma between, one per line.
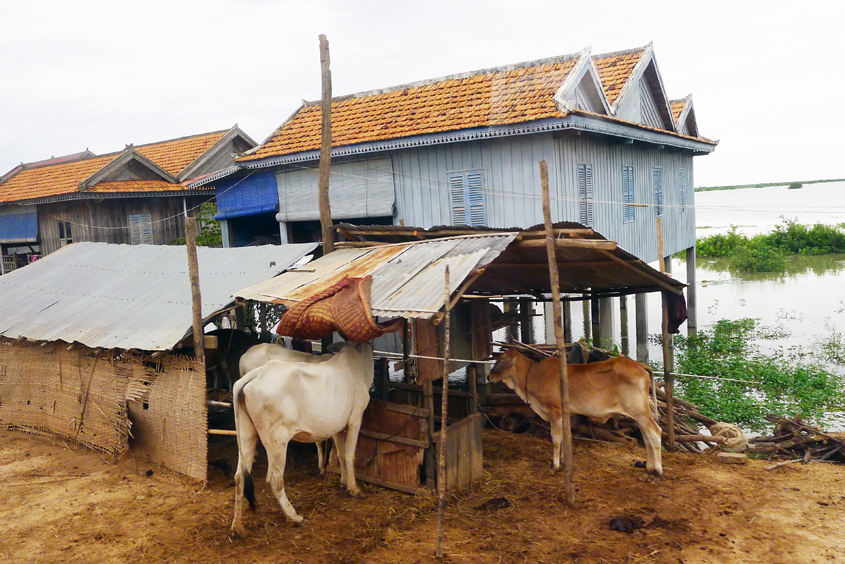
(597,390)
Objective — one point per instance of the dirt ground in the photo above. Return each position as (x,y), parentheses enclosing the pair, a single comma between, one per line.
(63,504)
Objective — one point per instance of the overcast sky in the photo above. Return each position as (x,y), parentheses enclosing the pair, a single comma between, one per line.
(766,77)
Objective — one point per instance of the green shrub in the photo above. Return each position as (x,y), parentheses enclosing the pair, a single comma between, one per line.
(759,258)
(795,185)
(782,385)
(720,245)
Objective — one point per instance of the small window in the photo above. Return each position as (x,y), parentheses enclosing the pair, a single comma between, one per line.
(682,189)
(658,191)
(585,194)
(467,195)
(65,235)
(140,229)
(628,191)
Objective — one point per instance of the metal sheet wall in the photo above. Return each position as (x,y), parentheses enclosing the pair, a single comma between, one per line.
(638,237)
(512,176)
(514,194)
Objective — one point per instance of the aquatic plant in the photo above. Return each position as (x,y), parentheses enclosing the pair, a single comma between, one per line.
(781,383)
(768,252)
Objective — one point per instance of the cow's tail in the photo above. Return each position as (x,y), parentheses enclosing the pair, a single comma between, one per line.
(653,391)
(248,485)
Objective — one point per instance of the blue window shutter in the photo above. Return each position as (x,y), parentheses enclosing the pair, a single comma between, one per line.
(628,191)
(467,198)
(585,193)
(658,191)
(682,188)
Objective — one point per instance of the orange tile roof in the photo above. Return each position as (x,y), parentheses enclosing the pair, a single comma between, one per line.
(137,186)
(173,156)
(496,97)
(677,107)
(615,70)
(64,178)
(45,181)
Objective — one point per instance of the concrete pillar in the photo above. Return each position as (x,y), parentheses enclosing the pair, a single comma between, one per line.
(623,323)
(606,324)
(641,307)
(226,234)
(549,319)
(668,261)
(585,305)
(671,341)
(692,314)
(567,321)
(526,321)
(283,231)
(510,306)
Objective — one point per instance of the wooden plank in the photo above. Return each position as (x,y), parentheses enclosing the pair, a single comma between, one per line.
(222,432)
(596,244)
(384,483)
(477,462)
(426,343)
(393,439)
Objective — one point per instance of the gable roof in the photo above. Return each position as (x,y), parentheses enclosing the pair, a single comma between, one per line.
(86,172)
(615,70)
(683,112)
(499,96)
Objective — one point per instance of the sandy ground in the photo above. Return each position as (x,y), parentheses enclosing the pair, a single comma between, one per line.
(62,504)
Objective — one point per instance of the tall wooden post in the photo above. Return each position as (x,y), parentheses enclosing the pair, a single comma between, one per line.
(325,148)
(526,328)
(444,420)
(692,300)
(565,410)
(668,379)
(196,299)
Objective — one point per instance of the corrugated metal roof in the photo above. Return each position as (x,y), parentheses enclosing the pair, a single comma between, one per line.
(129,296)
(407,277)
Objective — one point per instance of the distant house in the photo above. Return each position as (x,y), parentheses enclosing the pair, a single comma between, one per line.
(464,149)
(135,196)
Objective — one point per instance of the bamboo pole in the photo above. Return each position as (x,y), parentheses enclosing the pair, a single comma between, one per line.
(565,410)
(444,418)
(668,379)
(196,299)
(325,148)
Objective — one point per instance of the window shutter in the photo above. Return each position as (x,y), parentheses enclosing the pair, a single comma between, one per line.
(459,208)
(628,191)
(140,229)
(682,188)
(585,193)
(658,191)
(467,198)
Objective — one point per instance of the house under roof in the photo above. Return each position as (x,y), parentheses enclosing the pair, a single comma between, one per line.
(579,85)
(154,168)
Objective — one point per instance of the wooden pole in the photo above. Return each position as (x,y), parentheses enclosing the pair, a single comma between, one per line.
(565,410)
(444,414)
(196,299)
(325,149)
(668,379)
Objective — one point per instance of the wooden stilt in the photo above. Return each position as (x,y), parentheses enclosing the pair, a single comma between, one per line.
(196,299)
(668,379)
(444,418)
(565,410)
(325,148)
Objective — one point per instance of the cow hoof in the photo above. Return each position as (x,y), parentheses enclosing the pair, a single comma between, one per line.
(355,493)
(653,479)
(238,530)
(298,521)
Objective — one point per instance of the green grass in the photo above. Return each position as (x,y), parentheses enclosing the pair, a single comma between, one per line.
(783,385)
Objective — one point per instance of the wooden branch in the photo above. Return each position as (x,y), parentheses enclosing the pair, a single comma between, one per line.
(596,244)
(557,233)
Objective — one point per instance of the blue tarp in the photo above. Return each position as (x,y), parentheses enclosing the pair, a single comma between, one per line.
(239,196)
(19,224)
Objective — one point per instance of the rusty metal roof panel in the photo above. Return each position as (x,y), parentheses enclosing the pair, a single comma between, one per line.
(300,283)
(128,297)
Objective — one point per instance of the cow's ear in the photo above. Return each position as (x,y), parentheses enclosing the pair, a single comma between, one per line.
(503,364)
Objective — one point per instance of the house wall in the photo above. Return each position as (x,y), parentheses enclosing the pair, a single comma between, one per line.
(513,191)
(107,220)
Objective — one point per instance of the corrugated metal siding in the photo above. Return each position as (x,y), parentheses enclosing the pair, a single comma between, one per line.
(356,189)
(128,297)
(512,174)
(638,237)
(648,107)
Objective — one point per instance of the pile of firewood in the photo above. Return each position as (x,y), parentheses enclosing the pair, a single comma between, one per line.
(798,442)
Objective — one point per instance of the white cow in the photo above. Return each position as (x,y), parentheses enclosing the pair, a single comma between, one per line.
(259,355)
(305,402)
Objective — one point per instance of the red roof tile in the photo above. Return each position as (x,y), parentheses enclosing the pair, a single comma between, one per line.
(615,70)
